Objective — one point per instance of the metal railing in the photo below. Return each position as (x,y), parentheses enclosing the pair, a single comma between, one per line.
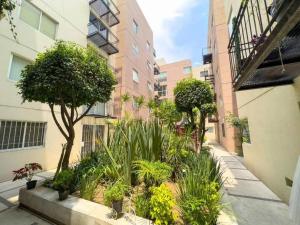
(107,10)
(258,32)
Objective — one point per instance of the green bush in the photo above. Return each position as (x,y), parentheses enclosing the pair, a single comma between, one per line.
(115,192)
(89,183)
(142,207)
(203,209)
(161,205)
(64,180)
(152,173)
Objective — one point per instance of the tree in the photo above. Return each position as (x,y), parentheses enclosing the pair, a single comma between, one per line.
(191,94)
(140,101)
(124,99)
(6,8)
(67,76)
(168,113)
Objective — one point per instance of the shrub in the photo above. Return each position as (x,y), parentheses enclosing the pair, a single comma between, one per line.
(152,173)
(161,205)
(64,180)
(142,207)
(27,171)
(115,192)
(204,209)
(89,183)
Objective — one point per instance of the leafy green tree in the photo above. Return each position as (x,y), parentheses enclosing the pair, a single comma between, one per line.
(168,113)
(140,101)
(67,76)
(124,99)
(191,94)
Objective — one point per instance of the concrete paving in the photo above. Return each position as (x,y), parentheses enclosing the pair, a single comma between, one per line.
(246,199)
(10,214)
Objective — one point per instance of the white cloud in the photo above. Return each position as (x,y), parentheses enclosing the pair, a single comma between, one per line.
(164,17)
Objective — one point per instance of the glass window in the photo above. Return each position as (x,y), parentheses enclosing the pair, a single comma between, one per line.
(135,105)
(148,45)
(48,26)
(149,65)
(162,77)
(135,76)
(204,73)
(150,87)
(135,49)
(246,133)
(17,65)
(92,135)
(98,109)
(187,70)
(135,27)
(30,14)
(162,91)
(18,134)
(37,19)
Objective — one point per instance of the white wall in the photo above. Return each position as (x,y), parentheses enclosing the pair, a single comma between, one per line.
(72,17)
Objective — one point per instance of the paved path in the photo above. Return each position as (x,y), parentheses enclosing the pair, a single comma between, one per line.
(247,200)
(10,213)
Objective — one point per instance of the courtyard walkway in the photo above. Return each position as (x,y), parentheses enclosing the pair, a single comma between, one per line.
(247,200)
(10,213)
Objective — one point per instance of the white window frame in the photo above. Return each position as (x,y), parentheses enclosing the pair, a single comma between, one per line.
(40,20)
(187,67)
(148,45)
(24,135)
(10,64)
(135,26)
(135,48)
(149,65)
(134,71)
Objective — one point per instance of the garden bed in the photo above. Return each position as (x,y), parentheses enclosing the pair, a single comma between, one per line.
(72,211)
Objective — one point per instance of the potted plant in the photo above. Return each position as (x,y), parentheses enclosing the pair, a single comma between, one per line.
(114,196)
(27,172)
(63,182)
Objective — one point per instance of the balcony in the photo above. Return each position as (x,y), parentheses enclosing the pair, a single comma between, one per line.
(265,34)
(106,10)
(101,36)
(207,56)
(100,110)
(156,69)
(210,78)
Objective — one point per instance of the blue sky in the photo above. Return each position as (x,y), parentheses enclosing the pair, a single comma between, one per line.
(179,27)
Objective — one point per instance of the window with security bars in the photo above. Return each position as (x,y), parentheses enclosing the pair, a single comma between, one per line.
(92,135)
(20,134)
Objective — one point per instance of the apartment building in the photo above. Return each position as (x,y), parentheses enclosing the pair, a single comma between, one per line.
(171,73)
(27,131)
(135,61)
(217,55)
(264,57)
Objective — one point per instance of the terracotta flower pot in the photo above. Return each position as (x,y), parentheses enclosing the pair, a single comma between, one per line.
(31,184)
(63,195)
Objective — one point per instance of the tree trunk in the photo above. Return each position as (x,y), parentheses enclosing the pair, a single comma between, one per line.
(66,158)
(202,130)
(60,161)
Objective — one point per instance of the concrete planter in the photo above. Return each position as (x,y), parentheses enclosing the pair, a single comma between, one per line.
(73,210)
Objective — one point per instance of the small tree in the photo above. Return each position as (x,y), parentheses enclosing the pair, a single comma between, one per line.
(67,76)
(140,101)
(124,99)
(191,93)
(168,113)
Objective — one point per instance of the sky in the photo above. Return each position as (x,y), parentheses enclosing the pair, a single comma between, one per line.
(179,27)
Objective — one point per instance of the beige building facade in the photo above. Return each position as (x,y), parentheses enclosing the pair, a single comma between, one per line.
(217,55)
(27,130)
(271,107)
(135,61)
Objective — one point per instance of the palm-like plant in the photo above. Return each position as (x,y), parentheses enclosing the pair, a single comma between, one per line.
(124,99)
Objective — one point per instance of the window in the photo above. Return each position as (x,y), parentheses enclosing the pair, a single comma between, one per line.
(135,105)
(210,130)
(187,70)
(16,67)
(98,109)
(135,27)
(162,77)
(19,134)
(91,137)
(135,76)
(135,49)
(162,91)
(223,130)
(204,73)
(149,65)
(148,45)
(150,87)
(38,19)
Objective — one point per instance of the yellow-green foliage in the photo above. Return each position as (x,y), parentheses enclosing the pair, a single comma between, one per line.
(161,205)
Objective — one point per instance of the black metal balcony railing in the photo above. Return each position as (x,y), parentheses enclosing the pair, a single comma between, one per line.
(210,78)
(107,10)
(156,69)
(265,33)
(101,36)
